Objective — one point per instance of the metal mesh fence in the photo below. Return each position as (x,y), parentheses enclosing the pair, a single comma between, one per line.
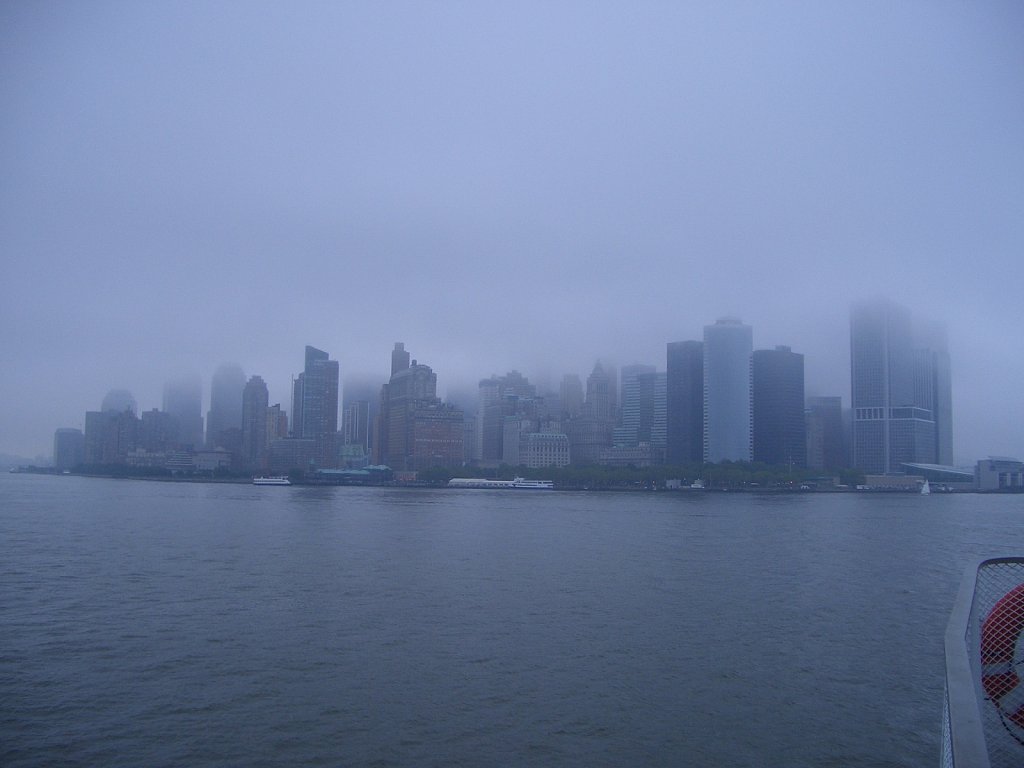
(947,739)
(996,649)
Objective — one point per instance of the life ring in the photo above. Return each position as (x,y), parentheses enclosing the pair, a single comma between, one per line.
(1000,635)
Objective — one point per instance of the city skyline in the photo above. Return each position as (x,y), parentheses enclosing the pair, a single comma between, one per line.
(753,407)
(533,186)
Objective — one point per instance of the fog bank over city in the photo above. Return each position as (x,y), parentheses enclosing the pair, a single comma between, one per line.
(529,187)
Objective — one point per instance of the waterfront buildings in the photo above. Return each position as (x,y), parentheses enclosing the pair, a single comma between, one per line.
(900,390)
(685,402)
(728,409)
(999,473)
(780,435)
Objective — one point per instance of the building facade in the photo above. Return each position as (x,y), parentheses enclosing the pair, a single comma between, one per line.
(900,390)
(416,430)
(255,407)
(685,403)
(315,405)
(225,411)
(826,438)
(183,399)
(780,433)
(68,448)
(728,404)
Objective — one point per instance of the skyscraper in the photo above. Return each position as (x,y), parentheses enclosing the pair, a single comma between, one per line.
(225,404)
(900,392)
(685,402)
(571,395)
(780,436)
(637,411)
(728,345)
(68,448)
(183,399)
(255,402)
(417,430)
(319,394)
(826,442)
(315,405)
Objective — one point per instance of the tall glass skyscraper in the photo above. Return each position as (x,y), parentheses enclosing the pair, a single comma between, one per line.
(319,396)
(728,407)
(684,397)
(900,390)
(780,435)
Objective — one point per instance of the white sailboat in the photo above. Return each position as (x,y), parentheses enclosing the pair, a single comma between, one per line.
(925,489)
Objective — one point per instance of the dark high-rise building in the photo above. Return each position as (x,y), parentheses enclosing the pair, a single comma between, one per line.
(685,402)
(159,431)
(225,404)
(255,405)
(183,399)
(780,436)
(109,436)
(826,438)
(315,405)
(417,430)
(319,394)
(599,403)
(399,358)
(895,386)
(728,405)
(68,448)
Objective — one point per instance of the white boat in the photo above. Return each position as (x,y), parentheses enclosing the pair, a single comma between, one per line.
(537,485)
(926,489)
(516,482)
(280,480)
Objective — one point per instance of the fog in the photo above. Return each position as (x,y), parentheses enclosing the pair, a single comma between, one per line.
(499,186)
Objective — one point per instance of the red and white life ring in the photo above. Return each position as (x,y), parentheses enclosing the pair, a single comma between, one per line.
(1001,650)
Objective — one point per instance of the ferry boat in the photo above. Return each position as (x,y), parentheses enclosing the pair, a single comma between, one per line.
(271,481)
(516,482)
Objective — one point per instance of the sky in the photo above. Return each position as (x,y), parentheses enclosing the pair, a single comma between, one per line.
(500,186)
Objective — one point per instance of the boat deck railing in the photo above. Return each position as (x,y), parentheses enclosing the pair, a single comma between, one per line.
(983,707)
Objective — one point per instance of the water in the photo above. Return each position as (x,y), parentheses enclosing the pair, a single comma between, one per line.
(173,624)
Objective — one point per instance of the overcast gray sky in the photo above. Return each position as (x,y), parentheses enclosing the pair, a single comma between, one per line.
(500,185)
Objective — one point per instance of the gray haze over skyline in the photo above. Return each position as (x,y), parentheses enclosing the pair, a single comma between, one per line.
(499,186)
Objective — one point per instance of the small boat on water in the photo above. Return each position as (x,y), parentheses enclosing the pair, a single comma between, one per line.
(279,480)
(926,489)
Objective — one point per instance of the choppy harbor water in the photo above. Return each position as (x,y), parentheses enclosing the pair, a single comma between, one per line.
(148,623)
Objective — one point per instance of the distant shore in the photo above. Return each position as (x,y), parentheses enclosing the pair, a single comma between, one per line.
(421,485)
